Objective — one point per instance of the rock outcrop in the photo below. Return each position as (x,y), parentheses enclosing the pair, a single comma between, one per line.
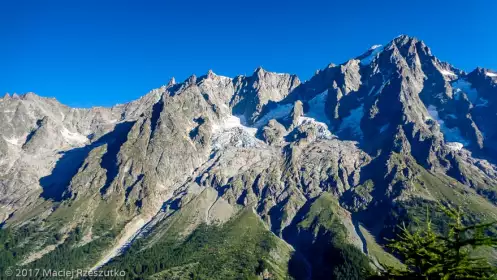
(371,132)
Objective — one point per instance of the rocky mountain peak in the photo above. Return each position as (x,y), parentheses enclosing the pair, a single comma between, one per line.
(210,74)
(483,72)
(259,72)
(171,82)
(405,39)
(378,135)
(191,80)
(30,96)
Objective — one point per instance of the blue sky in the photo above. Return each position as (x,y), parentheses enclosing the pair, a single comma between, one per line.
(88,53)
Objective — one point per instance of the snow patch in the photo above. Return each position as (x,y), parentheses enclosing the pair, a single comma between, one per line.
(453,135)
(462,86)
(375,50)
(232,132)
(235,137)
(450,134)
(489,74)
(73,137)
(447,73)
(384,128)
(317,108)
(14,141)
(455,146)
(371,90)
(316,116)
(380,89)
(232,122)
(353,122)
(322,129)
(432,110)
(279,112)
(482,102)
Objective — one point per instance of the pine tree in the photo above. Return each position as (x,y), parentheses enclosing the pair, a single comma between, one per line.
(430,255)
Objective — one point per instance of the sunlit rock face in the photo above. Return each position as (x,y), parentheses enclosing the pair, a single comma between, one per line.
(367,132)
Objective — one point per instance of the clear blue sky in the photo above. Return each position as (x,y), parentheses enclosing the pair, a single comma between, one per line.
(102,52)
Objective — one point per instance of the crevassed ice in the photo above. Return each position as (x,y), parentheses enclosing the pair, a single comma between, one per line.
(232,132)
(234,137)
(322,129)
(231,122)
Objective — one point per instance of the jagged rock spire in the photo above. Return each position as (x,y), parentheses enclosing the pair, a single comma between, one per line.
(397,108)
(259,71)
(192,79)
(297,112)
(171,82)
(210,74)
(29,95)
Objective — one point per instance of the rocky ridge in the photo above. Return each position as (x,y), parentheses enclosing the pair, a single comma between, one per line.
(379,132)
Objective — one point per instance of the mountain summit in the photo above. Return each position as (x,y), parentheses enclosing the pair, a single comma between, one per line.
(200,177)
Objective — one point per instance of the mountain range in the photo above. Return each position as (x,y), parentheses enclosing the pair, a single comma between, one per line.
(252,177)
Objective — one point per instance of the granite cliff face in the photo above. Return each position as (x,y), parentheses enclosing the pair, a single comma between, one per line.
(372,137)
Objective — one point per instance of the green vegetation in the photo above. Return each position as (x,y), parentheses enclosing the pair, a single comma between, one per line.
(423,189)
(70,250)
(431,255)
(17,243)
(40,207)
(13,245)
(324,211)
(431,188)
(240,249)
(322,238)
(70,255)
(181,247)
(377,252)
